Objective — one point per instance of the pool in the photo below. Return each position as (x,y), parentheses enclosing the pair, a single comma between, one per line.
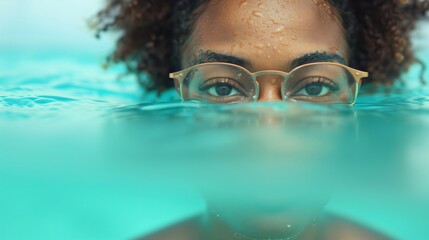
(88,155)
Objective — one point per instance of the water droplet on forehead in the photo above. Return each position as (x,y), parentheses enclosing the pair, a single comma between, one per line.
(257,14)
(274,21)
(279,30)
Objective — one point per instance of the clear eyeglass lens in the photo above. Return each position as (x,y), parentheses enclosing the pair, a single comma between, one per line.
(322,83)
(219,84)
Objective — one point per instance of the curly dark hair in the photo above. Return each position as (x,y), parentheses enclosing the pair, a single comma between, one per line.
(378,33)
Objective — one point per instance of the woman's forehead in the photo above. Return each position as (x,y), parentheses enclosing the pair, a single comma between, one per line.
(270,28)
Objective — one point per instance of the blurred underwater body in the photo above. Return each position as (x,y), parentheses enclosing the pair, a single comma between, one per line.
(134,168)
(85,156)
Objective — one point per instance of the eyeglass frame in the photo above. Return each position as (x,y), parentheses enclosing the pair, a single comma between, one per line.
(180,76)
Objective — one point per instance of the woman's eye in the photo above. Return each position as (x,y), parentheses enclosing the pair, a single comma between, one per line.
(222,90)
(222,87)
(317,88)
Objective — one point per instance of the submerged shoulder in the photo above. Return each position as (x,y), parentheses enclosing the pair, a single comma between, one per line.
(335,228)
(185,230)
(342,229)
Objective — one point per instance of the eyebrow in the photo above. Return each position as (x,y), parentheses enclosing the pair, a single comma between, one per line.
(317,57)
(210,56)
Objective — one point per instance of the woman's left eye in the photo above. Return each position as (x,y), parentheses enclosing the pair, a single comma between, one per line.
(222,90)
(316,87)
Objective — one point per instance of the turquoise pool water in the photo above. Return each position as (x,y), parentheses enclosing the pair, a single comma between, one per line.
(84,155)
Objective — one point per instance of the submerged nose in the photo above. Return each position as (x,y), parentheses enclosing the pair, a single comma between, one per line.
(270,88)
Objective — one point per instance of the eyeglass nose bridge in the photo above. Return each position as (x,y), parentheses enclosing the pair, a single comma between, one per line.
(271,72)
(284,77)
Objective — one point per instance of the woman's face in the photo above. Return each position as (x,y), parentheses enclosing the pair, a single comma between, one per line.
(266,35)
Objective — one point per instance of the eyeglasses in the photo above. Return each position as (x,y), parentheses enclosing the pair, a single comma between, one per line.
(225,83)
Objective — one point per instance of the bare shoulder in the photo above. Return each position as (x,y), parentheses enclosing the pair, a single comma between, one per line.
(335,228)
(342,229)
(185,230)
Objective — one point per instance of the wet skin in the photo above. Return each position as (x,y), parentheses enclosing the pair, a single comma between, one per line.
(266,35)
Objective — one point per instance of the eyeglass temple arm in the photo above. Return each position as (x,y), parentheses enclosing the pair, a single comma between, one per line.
(178,78)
